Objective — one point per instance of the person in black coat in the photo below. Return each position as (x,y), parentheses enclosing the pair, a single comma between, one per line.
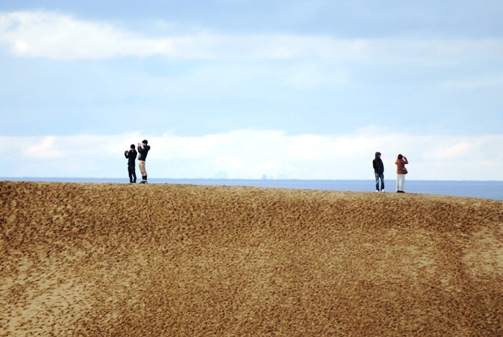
(143,149)
(378,171)
(131,157)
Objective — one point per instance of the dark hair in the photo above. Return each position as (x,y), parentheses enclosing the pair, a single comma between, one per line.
(400,156)
(132,146)
(145,141)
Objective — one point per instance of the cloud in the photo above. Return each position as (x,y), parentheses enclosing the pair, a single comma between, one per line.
(252,154)
(62,37)
(55,36)
(63,148)
(43,150)
(459,149)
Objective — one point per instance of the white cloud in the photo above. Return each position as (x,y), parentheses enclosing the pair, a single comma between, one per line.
(58,36)
(69,146)
(252,154)
(452,151)
(43,150)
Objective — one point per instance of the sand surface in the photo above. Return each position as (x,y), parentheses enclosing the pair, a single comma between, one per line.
(181,260)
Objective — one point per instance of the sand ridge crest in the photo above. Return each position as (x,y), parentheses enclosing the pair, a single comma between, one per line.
(186,260)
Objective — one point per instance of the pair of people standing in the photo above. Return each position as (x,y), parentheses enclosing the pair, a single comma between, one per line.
(401,171)
(131,155)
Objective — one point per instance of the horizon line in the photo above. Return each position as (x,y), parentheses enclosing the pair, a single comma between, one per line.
(252,179)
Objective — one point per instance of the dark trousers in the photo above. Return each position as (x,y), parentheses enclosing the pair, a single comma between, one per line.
(132,173)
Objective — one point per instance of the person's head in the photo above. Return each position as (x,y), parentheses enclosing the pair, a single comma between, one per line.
(132,147)
(144,142)
(400,156)
(378,155)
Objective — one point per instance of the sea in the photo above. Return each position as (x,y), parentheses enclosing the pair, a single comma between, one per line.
(464,188)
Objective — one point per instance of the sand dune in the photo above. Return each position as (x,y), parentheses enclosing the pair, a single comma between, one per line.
(180,260)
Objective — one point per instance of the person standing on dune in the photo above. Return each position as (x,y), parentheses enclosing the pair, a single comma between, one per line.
(401,171)
(143,149)
(131,157)
(378,171)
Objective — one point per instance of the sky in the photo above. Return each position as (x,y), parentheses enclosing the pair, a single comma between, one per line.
(242,89)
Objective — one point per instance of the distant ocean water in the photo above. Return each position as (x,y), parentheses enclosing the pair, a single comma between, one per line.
(477,189)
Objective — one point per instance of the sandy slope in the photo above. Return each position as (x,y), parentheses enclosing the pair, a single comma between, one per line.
(178,260)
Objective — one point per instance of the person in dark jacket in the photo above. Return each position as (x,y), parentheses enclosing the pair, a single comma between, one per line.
(378,171)
(131,157)
(143,149)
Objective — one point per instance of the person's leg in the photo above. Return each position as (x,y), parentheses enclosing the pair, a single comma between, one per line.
(133,169)
(130,172)
(377,182)
(141,164)
(382,181)
(400,182)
